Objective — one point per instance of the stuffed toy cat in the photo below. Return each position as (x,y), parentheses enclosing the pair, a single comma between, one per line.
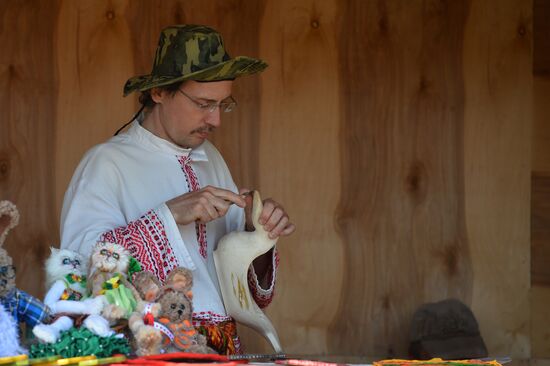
(66,283)
(108,278)
(21,306)
(175,317)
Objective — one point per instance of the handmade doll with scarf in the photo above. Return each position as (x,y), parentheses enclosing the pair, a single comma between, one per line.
(66,296)
(111,266)
(21,306)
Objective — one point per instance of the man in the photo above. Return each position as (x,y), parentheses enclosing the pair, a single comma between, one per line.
(162,190)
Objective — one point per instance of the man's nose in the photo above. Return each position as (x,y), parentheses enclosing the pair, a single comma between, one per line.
(214,118)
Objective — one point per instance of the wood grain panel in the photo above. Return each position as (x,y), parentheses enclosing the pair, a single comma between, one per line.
(540,181)
(27,119)
(299,165)
(540,331)
(237,139)
(541,41)
(95,59)
(396,133)
(541,127)
(540,229)
(498,115)
(401,212)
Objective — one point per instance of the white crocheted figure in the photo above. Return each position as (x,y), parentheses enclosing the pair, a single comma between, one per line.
(9,336)
(66,280)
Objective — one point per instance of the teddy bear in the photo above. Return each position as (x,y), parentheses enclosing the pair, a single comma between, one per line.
(21,306)
(147,339)
(176,311)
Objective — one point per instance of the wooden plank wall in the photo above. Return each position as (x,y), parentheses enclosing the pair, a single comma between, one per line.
(28,130)
(540,199)
(396,133)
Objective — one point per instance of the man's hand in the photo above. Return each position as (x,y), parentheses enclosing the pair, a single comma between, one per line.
(204,205)
(273,217)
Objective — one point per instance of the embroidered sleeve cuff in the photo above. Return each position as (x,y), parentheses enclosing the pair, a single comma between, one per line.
(174,237)
(264,296)
(147,240)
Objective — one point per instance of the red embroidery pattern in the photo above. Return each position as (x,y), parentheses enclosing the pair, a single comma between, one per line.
(208,318)
(263,300)
(193,185)
(147,242)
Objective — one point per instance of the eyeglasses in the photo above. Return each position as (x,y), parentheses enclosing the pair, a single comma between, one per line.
(225,106)
(7,271)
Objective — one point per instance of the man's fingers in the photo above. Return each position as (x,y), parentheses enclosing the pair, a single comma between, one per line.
(288,230)
(205,210)
(269,207)
(274,219)
(226,195)
(279,227)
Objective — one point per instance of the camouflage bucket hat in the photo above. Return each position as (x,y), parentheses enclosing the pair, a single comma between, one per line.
(192,52)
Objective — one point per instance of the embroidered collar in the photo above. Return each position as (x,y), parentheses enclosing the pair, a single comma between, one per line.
(154,143)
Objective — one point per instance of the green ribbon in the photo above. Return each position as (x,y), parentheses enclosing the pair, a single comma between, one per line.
(133,267)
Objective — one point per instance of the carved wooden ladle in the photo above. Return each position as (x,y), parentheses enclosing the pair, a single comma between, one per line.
(233,257)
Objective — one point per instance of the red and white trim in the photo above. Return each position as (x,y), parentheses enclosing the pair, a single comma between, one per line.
(208,318)
(146,240)
(193,185)
(263,297)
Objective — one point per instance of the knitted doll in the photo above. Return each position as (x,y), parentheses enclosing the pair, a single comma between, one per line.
(20,305)
(9,336)
(109,271)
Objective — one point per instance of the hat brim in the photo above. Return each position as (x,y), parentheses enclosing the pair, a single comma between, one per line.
(227,70)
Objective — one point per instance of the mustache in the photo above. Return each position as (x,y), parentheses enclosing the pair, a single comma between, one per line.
(204,129)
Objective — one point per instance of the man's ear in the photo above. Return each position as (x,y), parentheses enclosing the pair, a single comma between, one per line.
(157,95)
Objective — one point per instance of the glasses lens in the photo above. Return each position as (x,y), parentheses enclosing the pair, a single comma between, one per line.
(229,107)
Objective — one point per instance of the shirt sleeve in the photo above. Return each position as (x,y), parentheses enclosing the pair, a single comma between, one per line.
(146,239)
(92,211)
(91,206)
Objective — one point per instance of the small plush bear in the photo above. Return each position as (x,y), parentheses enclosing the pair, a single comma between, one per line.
(21,306)
(147,339)
(175,317)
